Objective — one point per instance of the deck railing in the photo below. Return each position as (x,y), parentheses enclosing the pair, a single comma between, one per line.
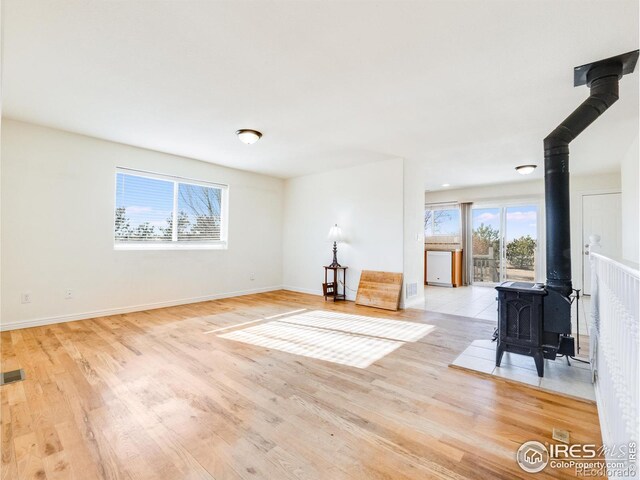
(614,348)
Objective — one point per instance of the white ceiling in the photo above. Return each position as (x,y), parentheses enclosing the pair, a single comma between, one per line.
(468,88)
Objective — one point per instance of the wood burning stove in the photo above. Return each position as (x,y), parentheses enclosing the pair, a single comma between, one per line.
(530,322)
(535,319)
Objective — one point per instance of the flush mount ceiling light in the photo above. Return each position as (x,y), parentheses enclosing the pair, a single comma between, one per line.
(525,169)
(445,185)
(248,136)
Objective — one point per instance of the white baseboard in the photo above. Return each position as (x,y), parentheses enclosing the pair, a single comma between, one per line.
(416,302)
(309,291)
(38,322)
(350,295)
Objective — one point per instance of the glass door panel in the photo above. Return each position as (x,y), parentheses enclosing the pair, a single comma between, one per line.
(521,243)
(486,236)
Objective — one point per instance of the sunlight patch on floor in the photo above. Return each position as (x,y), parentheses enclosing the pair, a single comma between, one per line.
(229,327)
(373,327)
(352,340)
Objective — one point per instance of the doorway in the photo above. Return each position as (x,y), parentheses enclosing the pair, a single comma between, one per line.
(505,243)
(601,215)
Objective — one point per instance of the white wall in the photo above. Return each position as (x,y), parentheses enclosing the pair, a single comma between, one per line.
(365,201)
(64,184)
(488,193)
(413,231)
(630,204)
(57,231)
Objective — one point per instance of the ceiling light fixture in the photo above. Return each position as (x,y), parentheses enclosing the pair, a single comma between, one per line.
(248,136)
(525,169)
(445,185)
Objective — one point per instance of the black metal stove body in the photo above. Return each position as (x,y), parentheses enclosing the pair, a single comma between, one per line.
(520,322)
(545,311)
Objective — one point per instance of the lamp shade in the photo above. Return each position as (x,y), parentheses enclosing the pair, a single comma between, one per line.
(335,234)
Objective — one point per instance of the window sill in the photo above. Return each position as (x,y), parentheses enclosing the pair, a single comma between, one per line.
(168,246)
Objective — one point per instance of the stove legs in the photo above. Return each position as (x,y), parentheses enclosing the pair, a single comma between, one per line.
(499,352)
(537,358)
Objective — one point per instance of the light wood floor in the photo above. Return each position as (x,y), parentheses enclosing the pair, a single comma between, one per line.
(148,395)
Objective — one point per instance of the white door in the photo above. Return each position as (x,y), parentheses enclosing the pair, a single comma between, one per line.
(601,215)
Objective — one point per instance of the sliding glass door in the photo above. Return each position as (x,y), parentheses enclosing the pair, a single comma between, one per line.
(486,231)
(521,243)
(505,243)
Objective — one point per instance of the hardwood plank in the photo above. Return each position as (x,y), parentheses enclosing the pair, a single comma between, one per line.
(158,394)
(379,289)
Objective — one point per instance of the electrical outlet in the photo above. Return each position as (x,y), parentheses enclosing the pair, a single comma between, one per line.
(68,294)
(252,276)
(25,297)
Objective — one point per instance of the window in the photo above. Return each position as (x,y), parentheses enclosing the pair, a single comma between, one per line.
(160,211)
(441,221)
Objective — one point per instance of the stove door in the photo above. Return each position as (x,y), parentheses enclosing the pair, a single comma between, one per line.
(520,317)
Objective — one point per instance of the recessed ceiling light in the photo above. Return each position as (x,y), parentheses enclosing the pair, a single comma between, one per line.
(525,169)
(248,136)
(445,185)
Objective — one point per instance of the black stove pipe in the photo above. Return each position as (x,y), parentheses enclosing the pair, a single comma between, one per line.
(602,78)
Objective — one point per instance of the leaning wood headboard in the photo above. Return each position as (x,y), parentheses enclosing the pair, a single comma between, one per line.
(379,289)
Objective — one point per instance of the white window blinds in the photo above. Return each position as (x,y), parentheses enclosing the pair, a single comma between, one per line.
(157,210)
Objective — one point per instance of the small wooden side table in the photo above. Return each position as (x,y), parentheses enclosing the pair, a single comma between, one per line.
(331,289)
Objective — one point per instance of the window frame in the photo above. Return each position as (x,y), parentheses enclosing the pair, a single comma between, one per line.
(175,244)
(444,206)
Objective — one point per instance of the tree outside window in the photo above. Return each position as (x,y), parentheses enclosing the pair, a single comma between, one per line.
(441,222)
